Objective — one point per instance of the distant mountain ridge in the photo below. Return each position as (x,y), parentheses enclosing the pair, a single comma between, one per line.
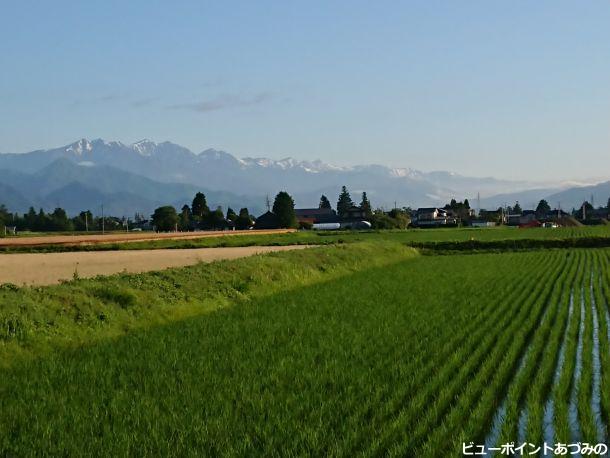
(76,187)
(147,173)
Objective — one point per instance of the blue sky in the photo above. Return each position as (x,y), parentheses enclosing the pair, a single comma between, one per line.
(515,89)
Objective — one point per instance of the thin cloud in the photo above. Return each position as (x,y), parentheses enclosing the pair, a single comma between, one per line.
(108,98)
(226,101)
(144,102)
(101,99)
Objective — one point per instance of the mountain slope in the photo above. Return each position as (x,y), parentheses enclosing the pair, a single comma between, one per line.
(574,197)
(12,198)
(75,187)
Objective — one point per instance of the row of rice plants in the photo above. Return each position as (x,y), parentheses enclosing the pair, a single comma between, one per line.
(460,354)
(513,417)
(448,385)
(542,378)
(599,339)
(562,390)
(585,384)
(602,297)
(480,391)
(522,381)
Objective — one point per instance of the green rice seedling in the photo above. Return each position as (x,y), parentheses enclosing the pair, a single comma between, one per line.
(562,390)
(496,368)
(542,379)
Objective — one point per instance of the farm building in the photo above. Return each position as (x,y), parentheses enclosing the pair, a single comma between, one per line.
(433,217)
(327,218)
(267,220)
(316,215)
(354,213)
(355,218)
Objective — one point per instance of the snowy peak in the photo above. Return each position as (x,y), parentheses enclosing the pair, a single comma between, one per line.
(144,147)
(79,147)
(405,173)
(290,163)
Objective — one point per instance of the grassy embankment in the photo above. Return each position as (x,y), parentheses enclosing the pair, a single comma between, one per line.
(83,310)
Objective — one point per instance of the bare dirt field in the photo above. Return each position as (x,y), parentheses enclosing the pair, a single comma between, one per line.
(51,268)
(68,240)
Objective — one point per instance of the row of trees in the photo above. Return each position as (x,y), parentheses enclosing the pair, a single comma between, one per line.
(199,216)
(345,202)
(57,220)
(397,218)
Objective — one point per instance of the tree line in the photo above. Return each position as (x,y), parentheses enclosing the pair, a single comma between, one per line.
(56,221)
(199,216)
(396,218)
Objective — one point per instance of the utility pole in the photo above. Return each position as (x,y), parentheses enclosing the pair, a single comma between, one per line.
(584,211)
(268,203)
(103,219)
(87,221)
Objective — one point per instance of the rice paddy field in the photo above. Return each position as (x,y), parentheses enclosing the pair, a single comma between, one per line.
(366,348)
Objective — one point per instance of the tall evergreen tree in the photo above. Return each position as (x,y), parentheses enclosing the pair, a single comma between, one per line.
(84,221)
(543,208)
(4,218)
(59,221)
(231,215)
(344,203)
(517,210)
(283,208)
(30,219)
(185,222)
(200,206)
(585,210)
(365,206)
(244,220)
(41,223)
(217,218)
(324,202)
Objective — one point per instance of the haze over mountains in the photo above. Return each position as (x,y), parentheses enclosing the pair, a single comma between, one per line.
(138,177)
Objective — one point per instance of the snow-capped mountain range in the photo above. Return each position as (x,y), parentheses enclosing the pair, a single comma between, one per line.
(74,173)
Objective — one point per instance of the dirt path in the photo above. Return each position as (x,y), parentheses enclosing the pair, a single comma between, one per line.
(69,240)
(50,268)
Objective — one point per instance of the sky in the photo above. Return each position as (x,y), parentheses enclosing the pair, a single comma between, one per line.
(516,90)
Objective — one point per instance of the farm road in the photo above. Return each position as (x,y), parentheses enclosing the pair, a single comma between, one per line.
(84,239)
(50,268)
